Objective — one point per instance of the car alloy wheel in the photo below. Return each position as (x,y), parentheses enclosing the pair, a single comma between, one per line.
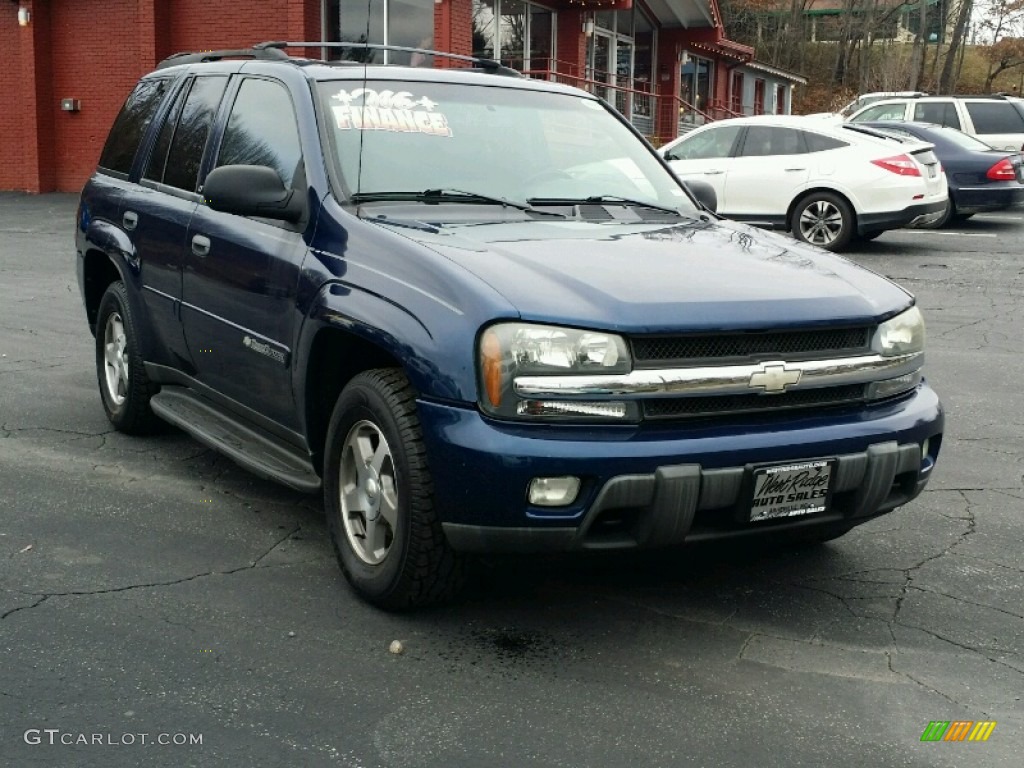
(821,223)
(115,358)
(823,219)
(368,493)
(125,389)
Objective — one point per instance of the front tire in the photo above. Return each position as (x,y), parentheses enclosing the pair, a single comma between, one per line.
(378,497)
(124,386)
(823,219)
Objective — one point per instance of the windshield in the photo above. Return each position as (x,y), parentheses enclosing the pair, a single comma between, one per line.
(498,143)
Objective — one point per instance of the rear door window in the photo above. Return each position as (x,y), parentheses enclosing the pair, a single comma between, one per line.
(158,157)
(939,113)
(764,140)
(192,131)
(995,117)
(130,126)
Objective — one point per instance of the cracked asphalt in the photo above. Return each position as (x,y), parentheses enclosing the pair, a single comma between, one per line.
(149,586)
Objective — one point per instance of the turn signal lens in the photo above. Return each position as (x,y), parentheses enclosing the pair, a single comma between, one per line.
(490,349)
(901,165)
(1002,171)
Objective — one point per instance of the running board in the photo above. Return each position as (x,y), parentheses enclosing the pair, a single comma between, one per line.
(256,451)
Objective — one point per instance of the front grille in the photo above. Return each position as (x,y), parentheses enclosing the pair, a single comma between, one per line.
(717,405)
(780,345)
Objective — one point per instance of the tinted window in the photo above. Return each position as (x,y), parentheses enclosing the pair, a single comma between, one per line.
(940,113)
(130,126)
(715,142)
(763,140)
(995,117)
(818,143)
(158,157)
(193,129)
(262,130)
(882,112)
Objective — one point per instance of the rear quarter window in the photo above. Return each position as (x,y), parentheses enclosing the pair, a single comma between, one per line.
(130,126)
(995,117)
(818,143)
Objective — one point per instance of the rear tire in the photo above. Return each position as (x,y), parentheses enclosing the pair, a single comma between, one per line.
(823,219)
(379,500)
(125,389)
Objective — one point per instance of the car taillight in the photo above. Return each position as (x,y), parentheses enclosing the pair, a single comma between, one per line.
(901,165)
(1002,171)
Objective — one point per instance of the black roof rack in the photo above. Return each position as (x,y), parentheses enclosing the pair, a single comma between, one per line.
(265,51)
(1002,95)
(488,65)
(272,51)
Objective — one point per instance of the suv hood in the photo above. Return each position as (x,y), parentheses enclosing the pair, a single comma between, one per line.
(644,277)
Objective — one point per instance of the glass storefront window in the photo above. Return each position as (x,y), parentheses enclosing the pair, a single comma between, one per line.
(408,23)
(484,28)
(520,34)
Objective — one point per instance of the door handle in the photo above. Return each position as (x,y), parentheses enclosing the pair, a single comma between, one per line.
(130,220)
(795,169)
(200,246)
(713,173)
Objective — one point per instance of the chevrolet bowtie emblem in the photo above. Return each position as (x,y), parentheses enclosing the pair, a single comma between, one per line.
(773,379)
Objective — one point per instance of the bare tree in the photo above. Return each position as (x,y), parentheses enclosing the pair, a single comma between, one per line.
(946,79)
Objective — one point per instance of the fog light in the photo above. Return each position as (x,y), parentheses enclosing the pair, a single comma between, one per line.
(890,387)
(571,408)
(554,491)
(924,450)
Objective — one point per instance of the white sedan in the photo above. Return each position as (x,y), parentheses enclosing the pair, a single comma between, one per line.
(824,183)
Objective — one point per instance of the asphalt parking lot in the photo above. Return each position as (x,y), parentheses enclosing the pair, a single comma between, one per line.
(152,591)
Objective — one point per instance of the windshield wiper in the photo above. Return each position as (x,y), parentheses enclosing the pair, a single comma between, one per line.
(447,194)
(598,199)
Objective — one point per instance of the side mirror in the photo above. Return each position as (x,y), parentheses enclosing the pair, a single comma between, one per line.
(252,190)
(704,193)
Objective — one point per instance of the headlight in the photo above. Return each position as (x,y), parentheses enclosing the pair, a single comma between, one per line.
(901,335)
(508,350)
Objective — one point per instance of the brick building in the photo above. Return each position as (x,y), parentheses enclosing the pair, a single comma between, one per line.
(68,64)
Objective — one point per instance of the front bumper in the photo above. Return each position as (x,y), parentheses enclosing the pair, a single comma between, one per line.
(912,214)
(645,486)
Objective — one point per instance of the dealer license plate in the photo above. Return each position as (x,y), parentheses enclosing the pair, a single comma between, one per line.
(789,490)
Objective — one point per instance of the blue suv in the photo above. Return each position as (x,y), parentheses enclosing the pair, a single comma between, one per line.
(478,313)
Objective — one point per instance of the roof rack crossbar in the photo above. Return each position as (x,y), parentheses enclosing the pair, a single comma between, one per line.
(490,65)
(261,51)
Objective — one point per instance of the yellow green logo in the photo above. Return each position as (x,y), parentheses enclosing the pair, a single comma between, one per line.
(958,730)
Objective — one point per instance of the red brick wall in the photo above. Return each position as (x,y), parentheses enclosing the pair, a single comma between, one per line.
(99,71)
(12,144)
(95,51)
(199,24)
